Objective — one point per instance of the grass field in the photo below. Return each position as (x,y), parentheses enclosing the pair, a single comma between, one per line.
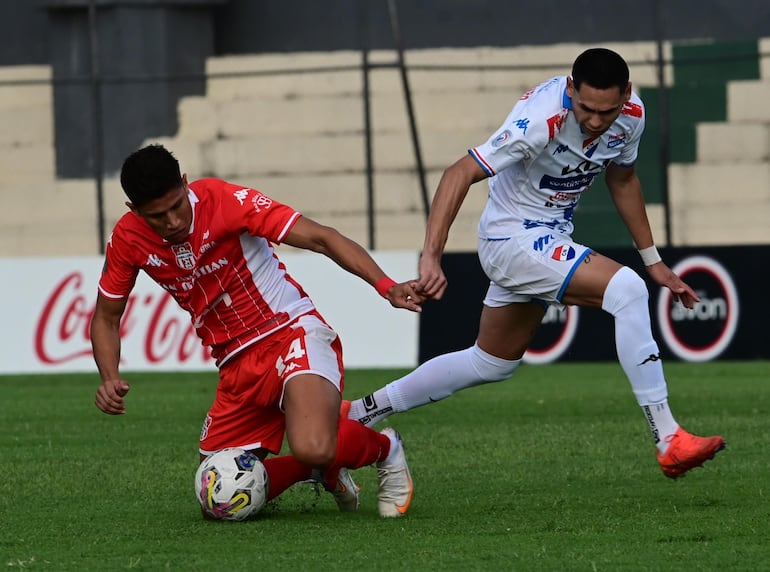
(553,471)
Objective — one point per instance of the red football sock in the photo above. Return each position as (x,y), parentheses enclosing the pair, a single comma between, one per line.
(357,446)
(283,472)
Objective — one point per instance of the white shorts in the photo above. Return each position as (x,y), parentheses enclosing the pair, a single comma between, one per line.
(533,265)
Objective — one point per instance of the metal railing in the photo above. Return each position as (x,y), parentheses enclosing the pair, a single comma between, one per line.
(96,80)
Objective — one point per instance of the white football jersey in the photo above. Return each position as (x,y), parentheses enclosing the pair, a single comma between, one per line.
(540,162)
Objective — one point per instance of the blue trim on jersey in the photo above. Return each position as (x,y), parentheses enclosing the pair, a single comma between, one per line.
(566,100)
(488,170)
(496,239)
(564,285)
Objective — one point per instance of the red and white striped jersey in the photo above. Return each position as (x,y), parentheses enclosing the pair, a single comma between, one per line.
(226,275)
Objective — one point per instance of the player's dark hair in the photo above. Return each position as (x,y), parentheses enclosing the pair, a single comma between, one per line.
(600,68)
(149,173)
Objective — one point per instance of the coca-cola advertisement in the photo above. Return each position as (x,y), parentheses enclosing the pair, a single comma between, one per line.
(49,308)
(47,305)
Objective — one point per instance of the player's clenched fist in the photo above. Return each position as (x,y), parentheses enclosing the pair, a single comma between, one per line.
(109,396)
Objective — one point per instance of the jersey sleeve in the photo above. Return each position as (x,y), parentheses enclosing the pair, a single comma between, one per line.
(522,136)
(249,210)
(119,271)
(635,110)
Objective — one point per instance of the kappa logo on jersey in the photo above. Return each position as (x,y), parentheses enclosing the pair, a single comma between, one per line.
(241,195)
(542,241)
(563,253)
(155,260)
(185,258)
(501,139)
(522,124)
(561,149)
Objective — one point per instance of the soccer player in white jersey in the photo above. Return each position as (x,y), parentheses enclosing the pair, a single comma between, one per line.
(209,244)
(556,140)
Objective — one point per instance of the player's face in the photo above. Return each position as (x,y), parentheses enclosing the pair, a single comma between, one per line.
(596,109)
(170,216)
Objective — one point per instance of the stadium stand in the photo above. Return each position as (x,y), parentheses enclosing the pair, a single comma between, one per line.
(299,137)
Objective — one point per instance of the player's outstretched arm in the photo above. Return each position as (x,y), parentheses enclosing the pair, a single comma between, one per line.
(664,276)
(626,191)
(310,235)
(105,342)
(450,194)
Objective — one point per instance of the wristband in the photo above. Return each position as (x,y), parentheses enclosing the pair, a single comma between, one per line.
(383,285)
(650,255)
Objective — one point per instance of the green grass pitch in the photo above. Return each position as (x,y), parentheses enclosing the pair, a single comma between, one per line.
(552,470)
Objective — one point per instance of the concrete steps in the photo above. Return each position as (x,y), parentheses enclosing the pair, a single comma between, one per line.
(299,138)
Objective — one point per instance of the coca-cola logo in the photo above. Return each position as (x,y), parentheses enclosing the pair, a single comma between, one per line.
(62,332)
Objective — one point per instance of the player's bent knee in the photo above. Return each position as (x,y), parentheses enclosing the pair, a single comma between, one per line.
(492,368)
(624,288)
(314,452)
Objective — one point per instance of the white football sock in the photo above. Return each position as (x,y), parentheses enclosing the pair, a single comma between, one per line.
(626,298)
(433,381)
(371,409)
(662,423)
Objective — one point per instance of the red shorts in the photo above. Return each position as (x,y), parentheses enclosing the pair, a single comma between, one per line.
(247,409)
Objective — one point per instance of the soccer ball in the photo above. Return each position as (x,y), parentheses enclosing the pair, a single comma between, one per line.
(231,484)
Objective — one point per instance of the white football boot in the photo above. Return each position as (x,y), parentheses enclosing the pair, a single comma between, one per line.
(395,494)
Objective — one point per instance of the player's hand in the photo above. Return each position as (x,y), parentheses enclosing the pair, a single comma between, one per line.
(664,276)
(404,295)
(432,282)
(109,396)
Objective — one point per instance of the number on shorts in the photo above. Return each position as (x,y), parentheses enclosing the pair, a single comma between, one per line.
(296,351)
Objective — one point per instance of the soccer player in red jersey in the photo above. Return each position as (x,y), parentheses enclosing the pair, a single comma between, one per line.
(208,243)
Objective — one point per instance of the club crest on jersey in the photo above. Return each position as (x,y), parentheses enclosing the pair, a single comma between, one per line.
(563,253)
(501,139)
(185,258)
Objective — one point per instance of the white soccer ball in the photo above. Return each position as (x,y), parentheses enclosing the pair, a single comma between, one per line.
(231,484)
